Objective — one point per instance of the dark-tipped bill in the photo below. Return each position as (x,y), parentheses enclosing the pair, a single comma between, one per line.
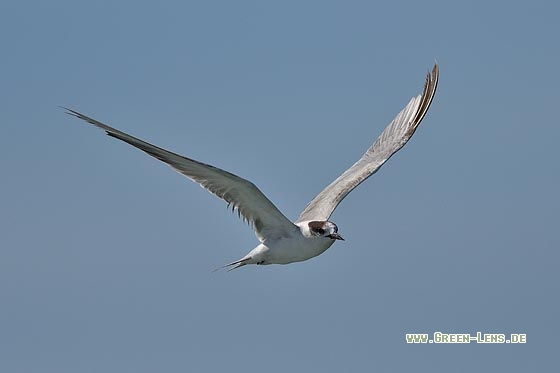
(335,236)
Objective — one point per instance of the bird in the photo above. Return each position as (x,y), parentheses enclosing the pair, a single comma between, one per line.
(281,240)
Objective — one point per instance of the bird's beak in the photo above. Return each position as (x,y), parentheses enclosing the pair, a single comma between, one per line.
(335,236)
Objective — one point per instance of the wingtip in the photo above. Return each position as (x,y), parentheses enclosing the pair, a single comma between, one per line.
(66,110)
(71,112)
(435,73)
(85,118)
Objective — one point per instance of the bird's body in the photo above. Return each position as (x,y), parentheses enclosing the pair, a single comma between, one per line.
(281,241)
(297,247)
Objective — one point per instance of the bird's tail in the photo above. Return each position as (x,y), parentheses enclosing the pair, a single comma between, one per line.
(234,265)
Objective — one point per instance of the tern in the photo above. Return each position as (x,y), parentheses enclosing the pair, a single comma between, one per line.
(281,241)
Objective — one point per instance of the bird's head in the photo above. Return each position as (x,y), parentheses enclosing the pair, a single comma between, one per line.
(324,229)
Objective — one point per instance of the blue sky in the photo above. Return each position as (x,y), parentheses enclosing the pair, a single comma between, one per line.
(106,254)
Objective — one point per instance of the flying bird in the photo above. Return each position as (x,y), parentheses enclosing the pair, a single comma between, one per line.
(281,241)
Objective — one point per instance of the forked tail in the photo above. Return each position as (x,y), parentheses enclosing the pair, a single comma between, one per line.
(234,265)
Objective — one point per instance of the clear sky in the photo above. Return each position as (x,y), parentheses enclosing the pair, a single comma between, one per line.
(106,254)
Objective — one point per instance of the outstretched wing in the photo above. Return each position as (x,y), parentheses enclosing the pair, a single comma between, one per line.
(242,195)
(397,133)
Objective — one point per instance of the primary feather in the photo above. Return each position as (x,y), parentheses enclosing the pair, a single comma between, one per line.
(240,194)
(393,138)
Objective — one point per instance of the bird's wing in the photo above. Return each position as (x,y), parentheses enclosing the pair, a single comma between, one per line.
(397,133)
(242,195)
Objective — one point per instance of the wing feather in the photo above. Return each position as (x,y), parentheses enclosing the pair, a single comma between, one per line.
(240,194)
(393,138)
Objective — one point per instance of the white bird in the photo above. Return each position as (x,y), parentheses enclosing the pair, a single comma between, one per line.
(281,241)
